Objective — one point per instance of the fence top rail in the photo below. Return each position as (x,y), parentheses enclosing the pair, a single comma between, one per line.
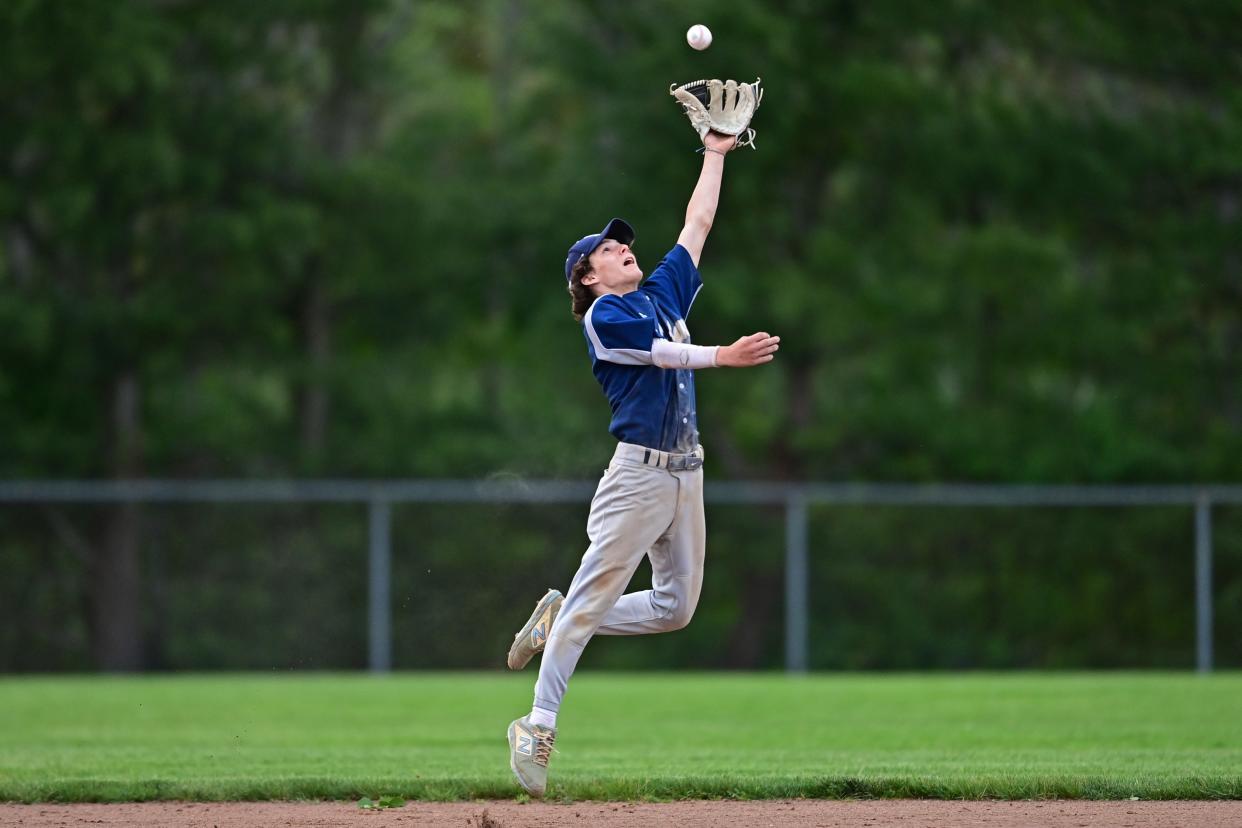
(521,490)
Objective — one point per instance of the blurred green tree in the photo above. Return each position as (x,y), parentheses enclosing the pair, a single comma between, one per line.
(1000,242)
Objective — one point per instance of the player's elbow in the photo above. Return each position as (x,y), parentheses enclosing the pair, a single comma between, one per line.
(700,220)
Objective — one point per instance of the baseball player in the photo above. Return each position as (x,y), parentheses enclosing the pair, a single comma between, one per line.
(650,499)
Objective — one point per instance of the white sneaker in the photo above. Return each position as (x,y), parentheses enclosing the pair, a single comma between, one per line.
(530,747)
(532,637)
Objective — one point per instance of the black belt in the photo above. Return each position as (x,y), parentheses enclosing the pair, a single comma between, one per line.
(672,462)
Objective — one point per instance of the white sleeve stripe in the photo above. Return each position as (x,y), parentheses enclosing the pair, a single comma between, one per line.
(692,298)
(621,356)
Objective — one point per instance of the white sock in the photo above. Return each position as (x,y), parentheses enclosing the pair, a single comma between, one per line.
(546,718)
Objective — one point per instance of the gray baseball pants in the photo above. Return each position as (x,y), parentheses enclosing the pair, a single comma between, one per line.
(638,509)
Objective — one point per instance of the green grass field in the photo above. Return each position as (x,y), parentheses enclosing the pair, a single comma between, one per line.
(623,736)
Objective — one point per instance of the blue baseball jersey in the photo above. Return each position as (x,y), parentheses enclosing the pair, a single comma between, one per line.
(651,406)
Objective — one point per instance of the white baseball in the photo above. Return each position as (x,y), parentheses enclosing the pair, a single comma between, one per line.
(699,36)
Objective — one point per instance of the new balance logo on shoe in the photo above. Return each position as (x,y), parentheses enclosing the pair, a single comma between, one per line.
(533,636)
(524,743)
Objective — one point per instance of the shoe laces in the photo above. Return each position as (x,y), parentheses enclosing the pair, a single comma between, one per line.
(544,742)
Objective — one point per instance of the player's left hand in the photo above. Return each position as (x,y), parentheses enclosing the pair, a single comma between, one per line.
(724,107)
(718,142)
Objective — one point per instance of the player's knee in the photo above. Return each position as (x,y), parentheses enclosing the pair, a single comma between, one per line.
(680,619)
(680,616)
(676,607)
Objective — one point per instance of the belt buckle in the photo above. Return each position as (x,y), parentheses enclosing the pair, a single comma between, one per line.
(686,462)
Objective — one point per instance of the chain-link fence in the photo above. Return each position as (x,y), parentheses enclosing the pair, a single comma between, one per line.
(246,573)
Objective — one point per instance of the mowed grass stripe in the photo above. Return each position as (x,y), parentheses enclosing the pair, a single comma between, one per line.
(623,736)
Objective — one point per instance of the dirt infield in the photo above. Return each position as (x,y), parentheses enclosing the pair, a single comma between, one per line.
(713,814)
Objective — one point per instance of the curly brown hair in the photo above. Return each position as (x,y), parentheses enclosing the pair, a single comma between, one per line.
(581,295)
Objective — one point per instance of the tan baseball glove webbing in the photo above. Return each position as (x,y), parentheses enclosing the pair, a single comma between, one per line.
(720,106)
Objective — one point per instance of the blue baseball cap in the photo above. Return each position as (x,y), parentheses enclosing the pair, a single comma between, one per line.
(617,230)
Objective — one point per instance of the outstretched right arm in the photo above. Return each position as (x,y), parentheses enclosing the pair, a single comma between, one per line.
(755,349)
(625,338)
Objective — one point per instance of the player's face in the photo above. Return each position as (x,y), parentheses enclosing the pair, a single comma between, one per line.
(613,268)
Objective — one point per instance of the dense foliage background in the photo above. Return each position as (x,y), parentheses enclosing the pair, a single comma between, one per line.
(1001,241)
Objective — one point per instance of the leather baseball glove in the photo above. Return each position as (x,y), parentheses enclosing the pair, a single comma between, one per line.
(721,106)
